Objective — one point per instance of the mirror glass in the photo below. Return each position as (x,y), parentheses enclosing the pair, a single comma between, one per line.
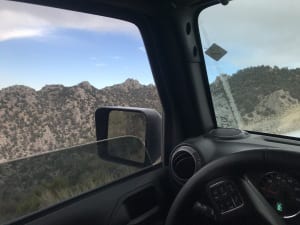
(126,123)
(130,148)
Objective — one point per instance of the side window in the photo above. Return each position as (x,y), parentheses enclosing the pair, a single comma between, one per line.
(252,62)
(57,67)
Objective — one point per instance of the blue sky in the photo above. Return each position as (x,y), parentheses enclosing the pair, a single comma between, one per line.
(100,50)
(254,33)
(41,45)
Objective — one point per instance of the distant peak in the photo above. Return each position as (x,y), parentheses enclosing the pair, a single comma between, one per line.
(18,88)
(52,87)
(131,80)
(84,84)
(127,85)
(132,83)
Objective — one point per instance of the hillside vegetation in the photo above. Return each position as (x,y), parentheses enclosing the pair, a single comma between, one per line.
(264,96)
(59,117)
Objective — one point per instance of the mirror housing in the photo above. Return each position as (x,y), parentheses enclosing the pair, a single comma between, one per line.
(152,132)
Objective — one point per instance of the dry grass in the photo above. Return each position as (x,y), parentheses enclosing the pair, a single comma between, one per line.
(289,121)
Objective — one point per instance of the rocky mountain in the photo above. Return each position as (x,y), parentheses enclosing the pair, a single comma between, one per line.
(57,116)
(259,98)
(262,98)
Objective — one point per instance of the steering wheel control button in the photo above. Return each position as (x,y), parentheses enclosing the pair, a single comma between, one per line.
(237,200)
(225,196)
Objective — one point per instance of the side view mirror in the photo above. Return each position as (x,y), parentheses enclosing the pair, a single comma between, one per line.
(143,124)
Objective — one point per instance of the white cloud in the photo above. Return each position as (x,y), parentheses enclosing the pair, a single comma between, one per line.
(19,25)
(20,33)
(20,20)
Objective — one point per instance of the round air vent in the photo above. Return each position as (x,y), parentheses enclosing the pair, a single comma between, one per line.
(184,162)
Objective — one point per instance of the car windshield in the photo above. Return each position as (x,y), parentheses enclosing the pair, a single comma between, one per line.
(252,59)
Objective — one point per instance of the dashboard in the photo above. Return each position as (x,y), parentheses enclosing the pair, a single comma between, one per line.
(224,196)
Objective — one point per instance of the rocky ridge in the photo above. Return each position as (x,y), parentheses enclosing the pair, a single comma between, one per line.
(264,99)
(58,117)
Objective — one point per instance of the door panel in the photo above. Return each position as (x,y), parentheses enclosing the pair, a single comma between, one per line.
(137,199)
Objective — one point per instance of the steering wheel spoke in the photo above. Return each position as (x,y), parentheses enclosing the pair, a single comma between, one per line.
(225,196)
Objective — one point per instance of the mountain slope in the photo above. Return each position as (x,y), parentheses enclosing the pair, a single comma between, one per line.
(258,99)
(58,117)
(255,98)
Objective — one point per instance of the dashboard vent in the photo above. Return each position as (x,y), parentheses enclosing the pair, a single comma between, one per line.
(184,162)
(228,133)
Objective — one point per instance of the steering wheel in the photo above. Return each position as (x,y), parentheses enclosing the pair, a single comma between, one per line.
(235,165)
